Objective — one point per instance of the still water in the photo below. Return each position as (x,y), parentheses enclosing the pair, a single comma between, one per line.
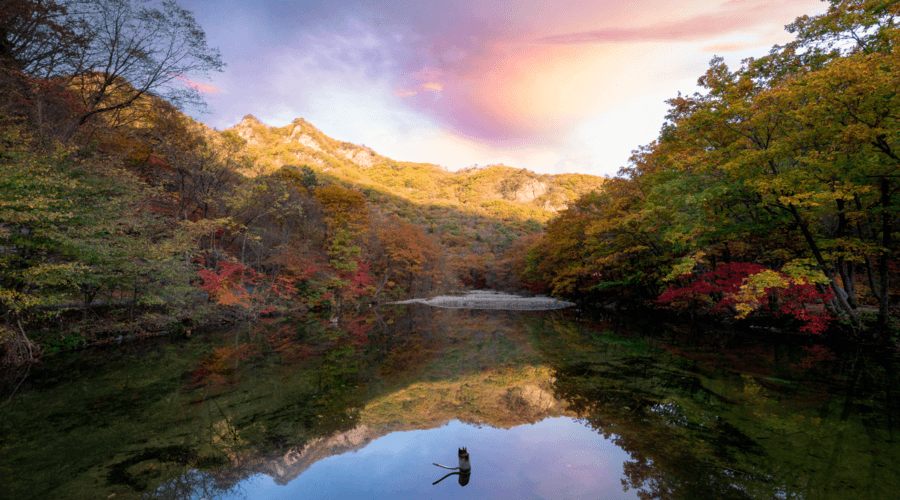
(549,405)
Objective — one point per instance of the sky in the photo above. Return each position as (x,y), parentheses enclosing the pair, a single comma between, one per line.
(568,86)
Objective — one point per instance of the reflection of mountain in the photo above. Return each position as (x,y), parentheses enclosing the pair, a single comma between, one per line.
(500,399)
(420,368)
(293,463)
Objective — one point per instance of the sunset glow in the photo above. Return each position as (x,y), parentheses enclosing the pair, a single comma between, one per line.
(541,86)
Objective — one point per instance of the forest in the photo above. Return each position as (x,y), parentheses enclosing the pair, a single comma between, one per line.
(771,193)
(121,216)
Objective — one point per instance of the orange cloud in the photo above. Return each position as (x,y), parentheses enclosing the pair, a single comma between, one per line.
(432,87)
(203,88)
(404,93)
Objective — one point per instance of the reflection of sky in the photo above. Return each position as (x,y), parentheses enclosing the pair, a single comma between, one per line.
(558,458)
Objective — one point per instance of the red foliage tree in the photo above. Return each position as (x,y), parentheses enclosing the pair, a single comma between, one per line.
(722,286)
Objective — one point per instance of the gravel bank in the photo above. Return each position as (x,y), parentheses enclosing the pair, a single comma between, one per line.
(481,299)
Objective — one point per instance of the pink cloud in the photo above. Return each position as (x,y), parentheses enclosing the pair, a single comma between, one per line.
(203,88)
(404,93)
(738,15)
(501,87)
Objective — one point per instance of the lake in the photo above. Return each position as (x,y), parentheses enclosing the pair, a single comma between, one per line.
(549,404)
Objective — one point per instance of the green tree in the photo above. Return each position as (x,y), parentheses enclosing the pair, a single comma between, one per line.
(72,227)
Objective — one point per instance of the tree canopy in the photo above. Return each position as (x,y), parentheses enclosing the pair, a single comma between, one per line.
(110,53)
(790,161)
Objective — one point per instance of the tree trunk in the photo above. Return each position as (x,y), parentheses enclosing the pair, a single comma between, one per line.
(842,264)
(20,349)
(884,304)
(823,266)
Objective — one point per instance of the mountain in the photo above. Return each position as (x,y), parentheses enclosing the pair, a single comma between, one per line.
(496,190)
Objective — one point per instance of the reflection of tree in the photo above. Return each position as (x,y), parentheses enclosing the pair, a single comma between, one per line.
(694,430)
(669,459)
(194,484)
(315,408)
(409,343)
(272,400)
(277,402)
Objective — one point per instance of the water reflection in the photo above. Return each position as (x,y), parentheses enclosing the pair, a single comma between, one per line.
(695,427)
(555,458)
(549,406)
(464,470)
(463,477)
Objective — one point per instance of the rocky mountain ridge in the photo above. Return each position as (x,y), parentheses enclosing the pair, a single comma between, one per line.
(493,189)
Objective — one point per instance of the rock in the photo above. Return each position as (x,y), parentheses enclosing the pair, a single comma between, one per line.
(361,157)
(530,190)
(303,139)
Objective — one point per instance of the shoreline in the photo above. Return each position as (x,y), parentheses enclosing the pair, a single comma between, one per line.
(490,300)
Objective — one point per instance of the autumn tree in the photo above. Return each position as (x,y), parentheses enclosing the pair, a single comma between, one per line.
(111,52)
(511,265)
(304,175)
(72,228)
(347,218)
(404,254)
(788,162)
(809,145)
(197,173)
(36,36)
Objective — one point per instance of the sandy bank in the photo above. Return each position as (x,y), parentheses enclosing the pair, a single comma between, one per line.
(483,299)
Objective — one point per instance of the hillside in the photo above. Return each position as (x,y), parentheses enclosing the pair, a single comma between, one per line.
(499,191)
